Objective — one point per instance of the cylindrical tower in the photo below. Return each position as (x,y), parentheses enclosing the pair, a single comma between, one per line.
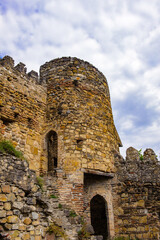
(79,111)
(79,132)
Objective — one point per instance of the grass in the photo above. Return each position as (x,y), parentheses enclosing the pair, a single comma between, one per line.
(7,147)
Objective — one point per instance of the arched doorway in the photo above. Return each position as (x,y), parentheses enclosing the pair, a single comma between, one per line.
(99,214)
(52,148)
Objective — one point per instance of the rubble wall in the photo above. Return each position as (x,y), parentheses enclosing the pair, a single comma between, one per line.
(30,208)
(137,195)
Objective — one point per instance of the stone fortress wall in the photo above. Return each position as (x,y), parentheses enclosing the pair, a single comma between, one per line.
(22,109)
(62,122)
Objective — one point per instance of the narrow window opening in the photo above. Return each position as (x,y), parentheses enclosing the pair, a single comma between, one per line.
(52,147)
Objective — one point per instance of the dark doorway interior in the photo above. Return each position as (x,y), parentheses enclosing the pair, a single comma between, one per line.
(52,146)
(98,208)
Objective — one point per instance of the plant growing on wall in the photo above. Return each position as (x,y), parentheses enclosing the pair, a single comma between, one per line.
(140,154)
(7,147)
(57,230)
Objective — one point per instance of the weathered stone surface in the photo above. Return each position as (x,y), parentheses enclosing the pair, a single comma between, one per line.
(62,122)
(138,192)
(12,219)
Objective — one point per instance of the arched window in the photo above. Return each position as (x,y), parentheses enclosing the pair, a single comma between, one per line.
(99,216)
(52,147)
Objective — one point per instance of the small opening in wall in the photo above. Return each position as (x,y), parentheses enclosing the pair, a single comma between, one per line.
(79,141)
(75,82)
(7,121)
(16,115)
(29,120)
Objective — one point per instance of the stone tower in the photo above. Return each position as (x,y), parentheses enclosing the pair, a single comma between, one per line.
(80,115)
(79,120)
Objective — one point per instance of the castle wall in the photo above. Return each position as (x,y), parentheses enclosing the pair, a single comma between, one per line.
(137,195)
(22,109)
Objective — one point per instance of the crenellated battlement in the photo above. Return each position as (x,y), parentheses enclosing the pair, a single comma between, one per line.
(19,69)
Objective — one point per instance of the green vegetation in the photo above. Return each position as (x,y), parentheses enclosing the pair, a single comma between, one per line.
(72,214)
(58,231)
(7,147)
(53,196)
(60,205)
(140,154)
(40,182)
(83,234)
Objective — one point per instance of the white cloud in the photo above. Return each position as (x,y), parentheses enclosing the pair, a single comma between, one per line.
(121,39)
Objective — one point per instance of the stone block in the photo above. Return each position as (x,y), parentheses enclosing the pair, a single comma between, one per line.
(12,219)
(3,198)
(27,221)
(6,189)
(7,206)
(2,213)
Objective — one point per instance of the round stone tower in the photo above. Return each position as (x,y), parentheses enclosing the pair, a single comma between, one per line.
(79,112)
(79,132)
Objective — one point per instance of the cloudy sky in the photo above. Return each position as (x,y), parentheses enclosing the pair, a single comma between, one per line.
(120,37)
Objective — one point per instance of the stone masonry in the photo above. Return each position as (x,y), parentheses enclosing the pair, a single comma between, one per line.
(61,120)
(137,195)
